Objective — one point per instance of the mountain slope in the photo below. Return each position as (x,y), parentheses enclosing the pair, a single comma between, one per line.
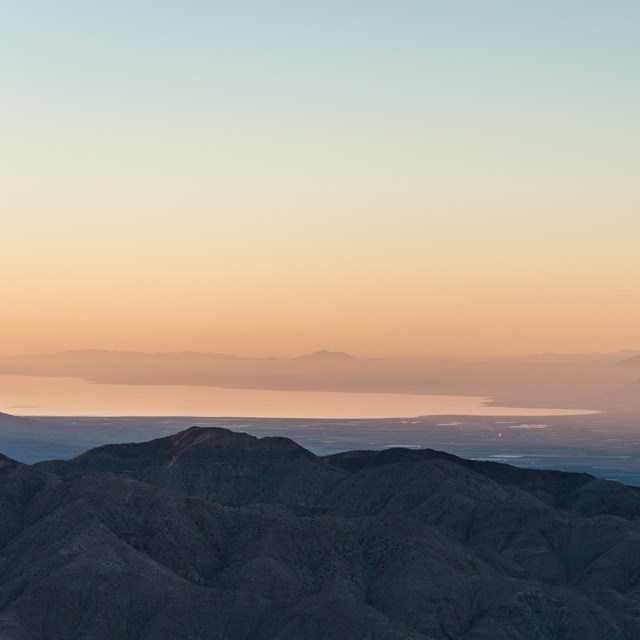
(218,464)
(29,440)
(284,545)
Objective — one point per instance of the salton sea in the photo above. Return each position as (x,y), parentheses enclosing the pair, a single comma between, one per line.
(52,396)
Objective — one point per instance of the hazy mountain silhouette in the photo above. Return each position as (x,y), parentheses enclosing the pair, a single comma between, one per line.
(594,356)
(555,382)
(27,438)
(220,535)
(329,356)
(10,422)
(630,362)
(625,397)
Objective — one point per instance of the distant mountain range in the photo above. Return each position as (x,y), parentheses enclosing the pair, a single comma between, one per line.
(321,356)
(220,535)
(595,356)
(331,356)
(97,354)
(576,381)
(630,362)
(625,397)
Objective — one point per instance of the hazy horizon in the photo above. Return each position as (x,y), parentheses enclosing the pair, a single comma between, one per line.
(320,384)
(334,354)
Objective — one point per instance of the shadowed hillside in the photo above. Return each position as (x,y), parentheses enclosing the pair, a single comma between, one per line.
(220,535)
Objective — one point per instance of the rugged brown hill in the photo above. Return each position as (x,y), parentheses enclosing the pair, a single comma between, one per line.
(284,545)
(217,464)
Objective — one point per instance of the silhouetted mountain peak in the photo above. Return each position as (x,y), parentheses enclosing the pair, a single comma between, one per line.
(216,463)
(7,460)
(329,356)
(7,417)
(200,435)
(215,443)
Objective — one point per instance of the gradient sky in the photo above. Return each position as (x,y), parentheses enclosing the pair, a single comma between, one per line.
(409,178)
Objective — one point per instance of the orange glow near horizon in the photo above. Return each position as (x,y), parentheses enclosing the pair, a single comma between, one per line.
(390,294)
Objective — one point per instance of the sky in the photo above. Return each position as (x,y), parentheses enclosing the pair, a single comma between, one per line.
(403,179)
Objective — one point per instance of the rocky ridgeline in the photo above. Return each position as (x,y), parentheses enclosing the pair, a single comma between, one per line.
(210,534)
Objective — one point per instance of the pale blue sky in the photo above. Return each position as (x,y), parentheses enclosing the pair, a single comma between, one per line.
(517,84)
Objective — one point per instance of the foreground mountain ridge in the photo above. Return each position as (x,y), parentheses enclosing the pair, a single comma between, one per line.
(221,535)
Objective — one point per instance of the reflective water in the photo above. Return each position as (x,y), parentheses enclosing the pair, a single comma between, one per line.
(31,395)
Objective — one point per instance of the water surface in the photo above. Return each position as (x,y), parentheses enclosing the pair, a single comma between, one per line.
(40,396)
